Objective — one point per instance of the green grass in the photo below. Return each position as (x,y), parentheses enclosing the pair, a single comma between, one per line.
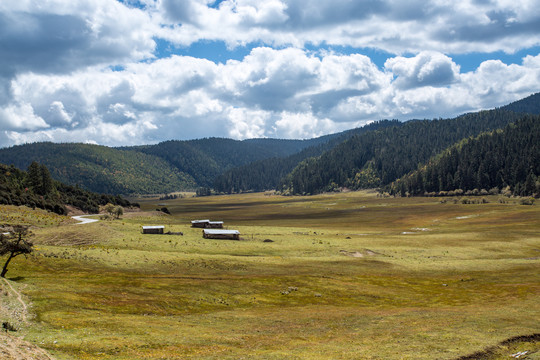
(347,276)
(23,215)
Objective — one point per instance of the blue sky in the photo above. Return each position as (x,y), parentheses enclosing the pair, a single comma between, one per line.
(143,71)
(218,52)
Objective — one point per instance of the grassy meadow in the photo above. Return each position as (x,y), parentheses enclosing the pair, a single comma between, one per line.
(336,276)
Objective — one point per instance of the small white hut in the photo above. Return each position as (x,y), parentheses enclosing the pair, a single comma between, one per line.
(159,229)
(221,234)
(199,223)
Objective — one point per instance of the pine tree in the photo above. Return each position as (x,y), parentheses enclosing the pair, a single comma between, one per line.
(530,184)
(46,181)
(35,177)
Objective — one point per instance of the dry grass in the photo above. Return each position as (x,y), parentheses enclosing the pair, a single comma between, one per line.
(23,215)
(346,276)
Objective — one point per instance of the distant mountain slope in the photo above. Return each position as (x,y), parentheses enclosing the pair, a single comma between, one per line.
(161,168)
(379,157)
(371,156)
(528,105)
(270,173)
(498,159)
(204,159)
(36,188)
(100,168)
(267,174)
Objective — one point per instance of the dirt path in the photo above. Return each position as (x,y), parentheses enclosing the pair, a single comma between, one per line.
(24,310)
(14,348)
(83,219)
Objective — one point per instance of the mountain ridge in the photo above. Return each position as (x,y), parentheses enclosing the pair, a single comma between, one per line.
(386,155)
(292,166)
(161,168)
(505,159)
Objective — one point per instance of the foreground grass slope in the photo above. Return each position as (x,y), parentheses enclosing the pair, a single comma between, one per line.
(346,276)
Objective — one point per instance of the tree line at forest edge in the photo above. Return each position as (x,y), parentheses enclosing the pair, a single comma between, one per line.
(36,188)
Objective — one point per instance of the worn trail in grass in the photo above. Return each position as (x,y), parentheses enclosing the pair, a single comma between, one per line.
(346,276)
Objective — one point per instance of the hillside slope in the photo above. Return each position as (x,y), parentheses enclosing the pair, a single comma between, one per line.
(491,161)
(380,157)
(165,167)
(368,159)
(100,168)
(204,159)
(35,188)
(267,174)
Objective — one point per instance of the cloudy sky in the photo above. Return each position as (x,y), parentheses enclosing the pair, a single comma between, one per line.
(143,71)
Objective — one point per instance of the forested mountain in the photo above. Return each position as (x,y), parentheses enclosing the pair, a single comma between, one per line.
(379,157)
(267,174)
(100,168)
(528,105)
(370,160)
(372,156)
(204,159)
(161,168)
(36,188)
(490,162)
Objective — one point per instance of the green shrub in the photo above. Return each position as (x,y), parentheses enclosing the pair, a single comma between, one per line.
(526,201)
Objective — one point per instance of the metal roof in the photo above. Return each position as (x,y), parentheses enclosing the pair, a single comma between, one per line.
(199,221)
(221,231)
(154,227)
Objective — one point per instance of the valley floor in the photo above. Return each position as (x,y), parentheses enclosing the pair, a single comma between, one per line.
(337,276)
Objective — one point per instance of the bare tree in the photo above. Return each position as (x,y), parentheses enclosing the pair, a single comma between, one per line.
(15,244)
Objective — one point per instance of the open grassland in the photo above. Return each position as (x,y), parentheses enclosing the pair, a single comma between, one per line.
(345,276)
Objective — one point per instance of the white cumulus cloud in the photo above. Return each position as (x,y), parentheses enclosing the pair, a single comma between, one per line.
(289,93)
(90,71)
(428,68)
(20,117)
